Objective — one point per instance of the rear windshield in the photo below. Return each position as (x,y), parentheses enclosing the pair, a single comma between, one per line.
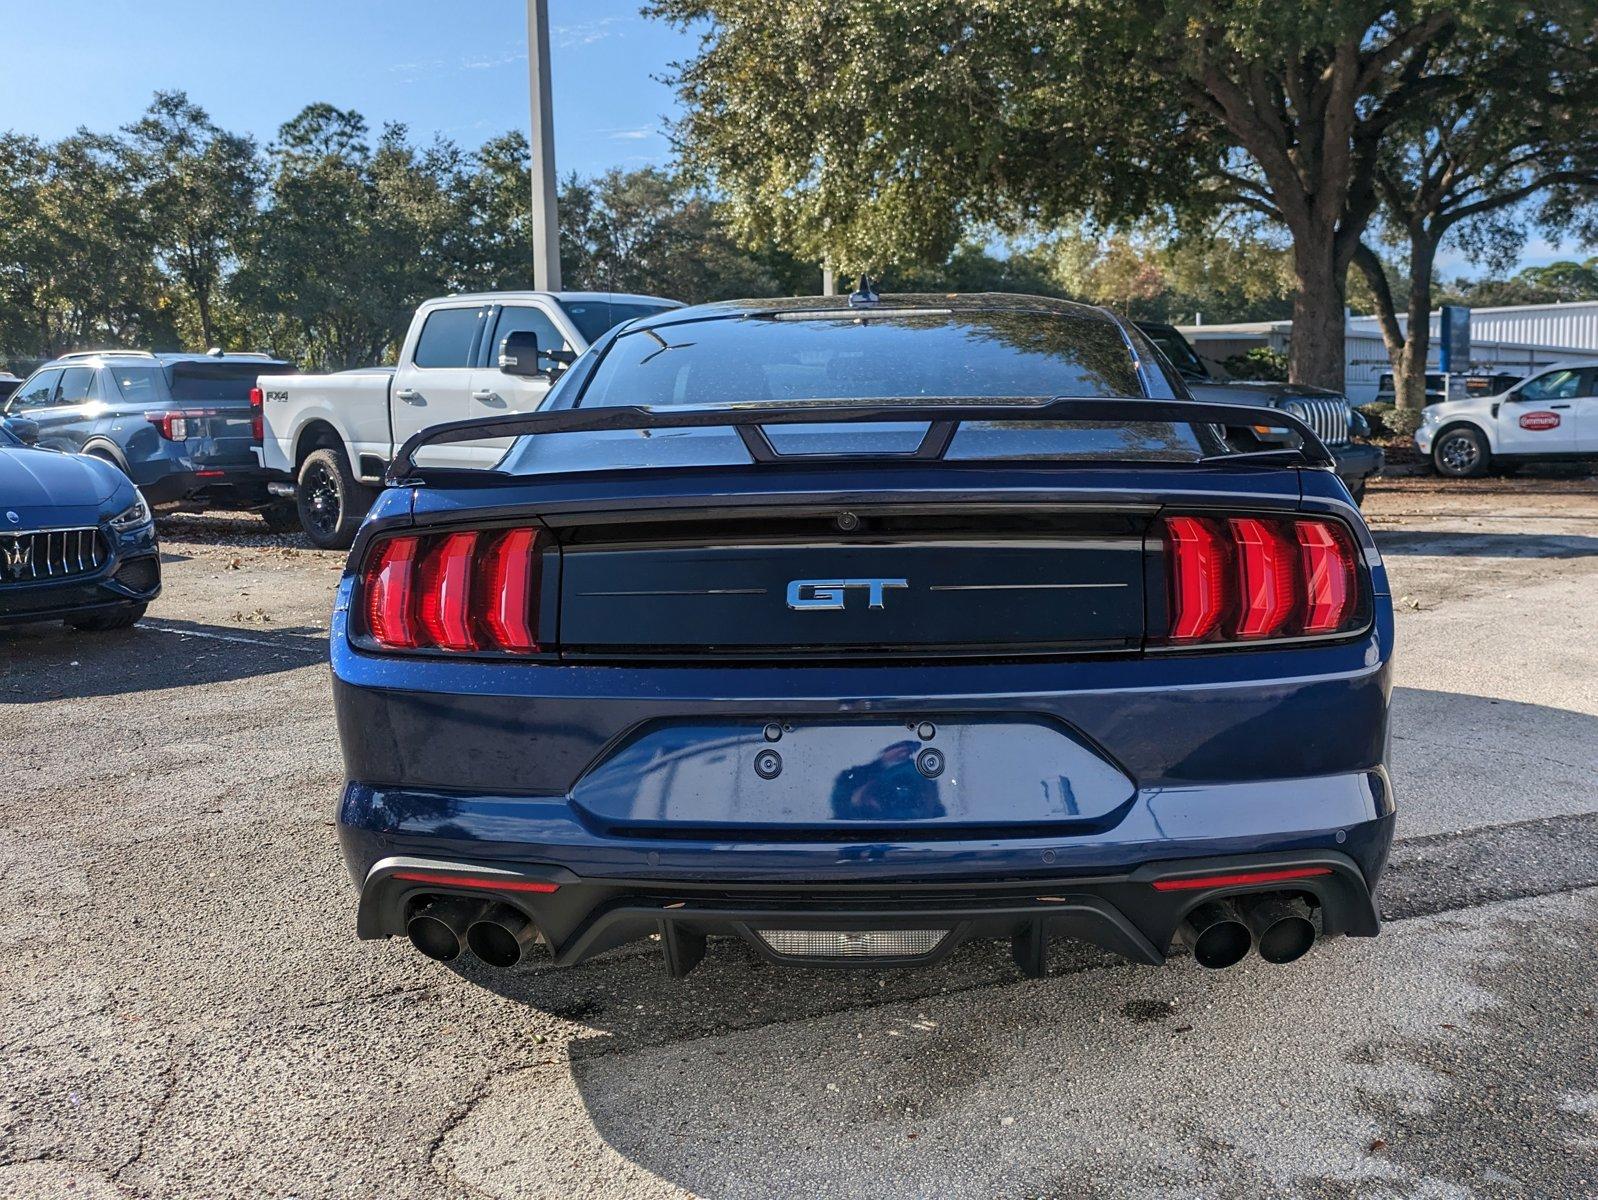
(596,317)
(217,381)
(988,355)
(192,382)
(926,357)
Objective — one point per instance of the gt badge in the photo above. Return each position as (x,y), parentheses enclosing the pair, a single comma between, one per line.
(829,593)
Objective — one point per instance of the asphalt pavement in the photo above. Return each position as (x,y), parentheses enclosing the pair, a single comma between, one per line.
(185,1011)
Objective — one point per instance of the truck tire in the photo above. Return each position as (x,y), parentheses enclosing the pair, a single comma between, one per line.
(1461,452)
(331,501)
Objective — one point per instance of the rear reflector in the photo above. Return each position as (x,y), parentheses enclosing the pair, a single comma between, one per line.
(459,592)
(1238,879)
(1244,579)
(485,882)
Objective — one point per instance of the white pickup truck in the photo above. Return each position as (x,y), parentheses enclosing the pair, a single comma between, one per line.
(332,436)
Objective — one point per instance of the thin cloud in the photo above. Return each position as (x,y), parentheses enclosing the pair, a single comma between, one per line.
(586,33)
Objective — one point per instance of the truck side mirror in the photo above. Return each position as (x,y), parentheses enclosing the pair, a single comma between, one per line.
(519,355)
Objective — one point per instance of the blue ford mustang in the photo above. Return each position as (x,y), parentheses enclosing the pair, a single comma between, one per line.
(77,541)
(857,629)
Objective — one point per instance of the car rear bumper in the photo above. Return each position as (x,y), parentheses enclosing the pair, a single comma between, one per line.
(168,482)
(1134,913)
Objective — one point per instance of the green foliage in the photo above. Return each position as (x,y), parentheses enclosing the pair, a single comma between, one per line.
(1377,413)
(1259,363)
(876,133)
(177,234)
(1402,422)
(1556,283)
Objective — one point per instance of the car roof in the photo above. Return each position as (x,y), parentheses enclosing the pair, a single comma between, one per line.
(581,297)
(964,302)
(146,358)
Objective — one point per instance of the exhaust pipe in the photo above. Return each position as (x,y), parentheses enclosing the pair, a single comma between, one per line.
(501,937)
(1281,925)
(1217,934)
(439,930)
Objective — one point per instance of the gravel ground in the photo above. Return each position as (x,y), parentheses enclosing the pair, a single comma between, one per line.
(185,1011)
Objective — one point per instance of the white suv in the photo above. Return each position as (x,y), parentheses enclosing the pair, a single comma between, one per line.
(1551,415)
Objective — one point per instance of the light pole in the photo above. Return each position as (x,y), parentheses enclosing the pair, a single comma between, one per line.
(546,222)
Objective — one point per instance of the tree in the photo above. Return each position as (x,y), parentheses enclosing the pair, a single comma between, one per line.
(1556,283)
(871,130)
(77,269)
(197,187)
(1525,127)
(352,240)
(646,231)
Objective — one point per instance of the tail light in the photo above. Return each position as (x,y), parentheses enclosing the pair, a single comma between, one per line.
(1255,578)
(177,424)
(460,591)
(257,415)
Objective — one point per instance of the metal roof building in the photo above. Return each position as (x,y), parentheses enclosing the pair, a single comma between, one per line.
(1520,338)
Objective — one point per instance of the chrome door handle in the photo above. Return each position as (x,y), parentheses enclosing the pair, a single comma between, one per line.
(410,396)
(485,395)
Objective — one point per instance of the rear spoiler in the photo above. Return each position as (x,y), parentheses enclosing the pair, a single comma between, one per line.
(943,420)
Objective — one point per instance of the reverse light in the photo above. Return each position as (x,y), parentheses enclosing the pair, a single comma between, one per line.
(1254,578)
(460,591)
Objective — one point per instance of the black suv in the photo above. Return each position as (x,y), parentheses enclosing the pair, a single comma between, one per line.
(1328,413)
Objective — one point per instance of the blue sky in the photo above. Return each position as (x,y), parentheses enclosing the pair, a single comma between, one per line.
(455,69)
(459,70)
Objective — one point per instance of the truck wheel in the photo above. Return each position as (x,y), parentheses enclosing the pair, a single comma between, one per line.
(1461,452)
(331,501)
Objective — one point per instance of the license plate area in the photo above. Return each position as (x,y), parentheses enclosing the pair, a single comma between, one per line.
(803,777)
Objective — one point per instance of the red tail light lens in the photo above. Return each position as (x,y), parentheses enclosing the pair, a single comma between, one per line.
(1328,574)
(1255,578)
(1198,577)
(390,592)
(446,593)
(460,591)
(257,415)
(508,577)
(1264,577)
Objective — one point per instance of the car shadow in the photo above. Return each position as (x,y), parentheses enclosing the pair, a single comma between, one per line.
(48,661)
(1485,544)
(1465,762)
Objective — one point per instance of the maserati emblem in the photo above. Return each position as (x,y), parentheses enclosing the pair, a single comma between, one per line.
(804,594)
(17,556)
(13,518)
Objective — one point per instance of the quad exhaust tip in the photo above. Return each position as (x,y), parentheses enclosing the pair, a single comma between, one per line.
(501,937)
(439,929)
(1217,934)
(1281,926)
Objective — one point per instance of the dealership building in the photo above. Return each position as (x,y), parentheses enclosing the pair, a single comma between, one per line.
(1517,339)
